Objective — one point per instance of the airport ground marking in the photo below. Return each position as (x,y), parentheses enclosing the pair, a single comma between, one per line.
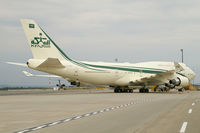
(182,130)
(79,116)
(189,111)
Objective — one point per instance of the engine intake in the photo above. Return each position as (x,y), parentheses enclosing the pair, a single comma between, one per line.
(179,81)
(77,83)
(175,82)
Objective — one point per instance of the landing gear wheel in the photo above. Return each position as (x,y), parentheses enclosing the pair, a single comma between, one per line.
(131,90)
(141,90)
(117,90)
(180,90)
(144,90)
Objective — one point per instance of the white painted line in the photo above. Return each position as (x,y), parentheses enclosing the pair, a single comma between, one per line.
(38,127)
(87,115)
(67,120)
(183,127)
(193,104)
(190,111)
(77,117)
(23,131)
(54,123)
(94,113)
(101,111)
(107,109)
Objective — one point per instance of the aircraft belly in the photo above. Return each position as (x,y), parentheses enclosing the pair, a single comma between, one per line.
(100,78)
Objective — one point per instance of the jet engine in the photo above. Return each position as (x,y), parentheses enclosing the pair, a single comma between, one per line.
(77,83)
(169,85)
(179,81)
(176,81)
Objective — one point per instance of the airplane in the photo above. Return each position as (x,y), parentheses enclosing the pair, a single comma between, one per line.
(49,58)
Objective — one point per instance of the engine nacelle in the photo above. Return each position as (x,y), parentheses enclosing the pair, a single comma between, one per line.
(180,81)
(77,83)
(175,82)
(169,85)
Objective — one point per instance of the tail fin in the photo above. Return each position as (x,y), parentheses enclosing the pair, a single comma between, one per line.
(41,45)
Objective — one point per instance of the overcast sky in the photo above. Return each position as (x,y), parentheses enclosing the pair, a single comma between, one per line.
(101,30)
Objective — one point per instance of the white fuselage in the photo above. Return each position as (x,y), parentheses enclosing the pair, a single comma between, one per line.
(115,74)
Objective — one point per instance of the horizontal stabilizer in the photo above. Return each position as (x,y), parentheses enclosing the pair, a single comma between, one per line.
(31,75)
(27,74)
(18,64)
(51,62)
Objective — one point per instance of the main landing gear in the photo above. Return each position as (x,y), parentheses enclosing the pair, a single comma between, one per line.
(123,89)
(144,90)
(180,90)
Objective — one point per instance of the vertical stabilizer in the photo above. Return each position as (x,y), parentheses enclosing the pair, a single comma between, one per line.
(41,45)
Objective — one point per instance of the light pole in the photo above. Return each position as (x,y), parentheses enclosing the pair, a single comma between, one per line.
(182,54)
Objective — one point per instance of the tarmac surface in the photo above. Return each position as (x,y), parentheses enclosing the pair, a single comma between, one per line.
(99,111)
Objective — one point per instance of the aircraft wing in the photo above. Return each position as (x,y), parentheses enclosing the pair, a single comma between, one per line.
(156,79)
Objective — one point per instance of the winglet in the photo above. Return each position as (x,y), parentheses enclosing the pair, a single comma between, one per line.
(178,67)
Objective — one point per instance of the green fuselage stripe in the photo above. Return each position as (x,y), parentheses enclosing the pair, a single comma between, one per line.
(94,67)
(181,74)
(127,69)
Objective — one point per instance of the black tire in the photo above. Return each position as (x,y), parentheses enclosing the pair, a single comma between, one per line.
(116,90)
(180,90)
